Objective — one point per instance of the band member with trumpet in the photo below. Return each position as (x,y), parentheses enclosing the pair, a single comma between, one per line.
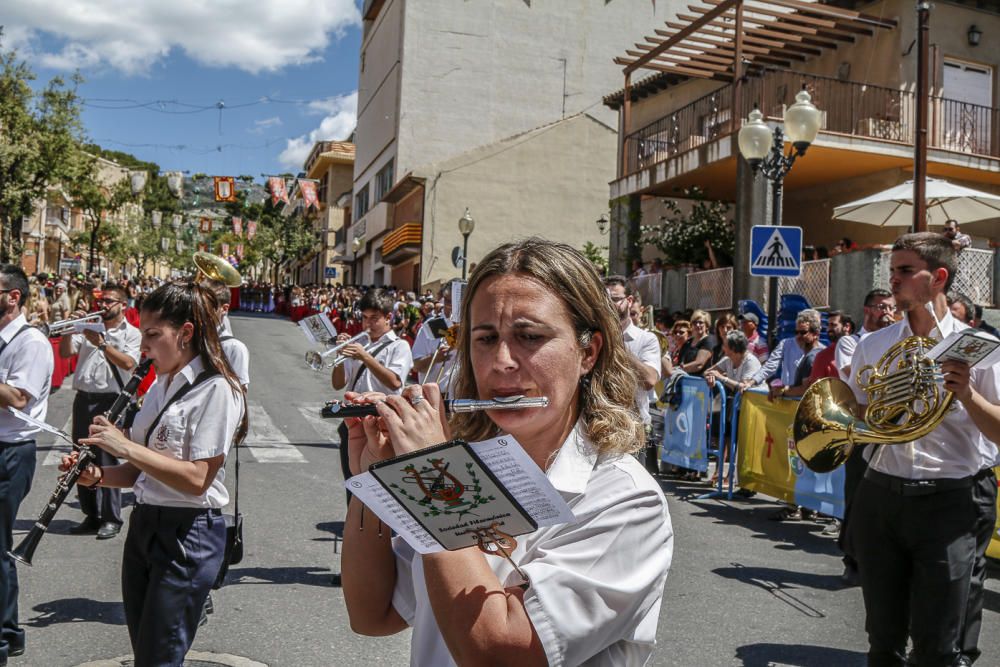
(174,458)
(925,510)
(26,364)
(539,323)
(384,372)
(433,357)
(105,360)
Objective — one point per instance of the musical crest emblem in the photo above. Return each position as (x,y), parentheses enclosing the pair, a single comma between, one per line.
(162,435)
(443,492)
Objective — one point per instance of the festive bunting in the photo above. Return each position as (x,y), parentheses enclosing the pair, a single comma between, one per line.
(206,226)
(238,226)
(251,229)
(225,188)
(308,190)
(175,183)
(157,218)
(276,185)
(239,250)
(164,243)
(138,181)
(176,221)
(225,249)
(203,247)
(179,244)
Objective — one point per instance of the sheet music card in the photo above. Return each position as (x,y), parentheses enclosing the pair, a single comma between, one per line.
(319,329)
(973,346)
(438,498)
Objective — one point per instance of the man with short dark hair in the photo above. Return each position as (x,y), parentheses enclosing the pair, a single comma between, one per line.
(879,312)
(26,364)
(980,323)
(961,307)
(106,354)
(644,349)
(959,241)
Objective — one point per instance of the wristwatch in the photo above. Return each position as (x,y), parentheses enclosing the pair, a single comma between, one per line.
(102,345)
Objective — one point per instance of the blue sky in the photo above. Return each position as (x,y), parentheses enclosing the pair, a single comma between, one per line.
(198,54)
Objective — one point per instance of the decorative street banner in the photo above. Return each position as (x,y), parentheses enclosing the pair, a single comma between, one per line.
(238,226)
(685,425)
(225,249)
(239,250)
(205,227)
(225,188)
(179,244)
(251,229)
(157,219)
(309,197)
(165,244)
(276,185)
(769,464)
(203,247)
(175,183)
(176,220)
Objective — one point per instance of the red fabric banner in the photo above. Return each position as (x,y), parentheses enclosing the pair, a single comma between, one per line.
(225,249)
(239,250)
(276,184)
(238,226)
(309,196)
(251,229)
(205,227)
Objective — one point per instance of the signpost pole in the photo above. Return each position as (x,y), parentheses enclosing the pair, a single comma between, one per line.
(772,282)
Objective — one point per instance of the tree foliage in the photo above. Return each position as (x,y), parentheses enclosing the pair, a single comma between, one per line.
(683,238)
(598,256)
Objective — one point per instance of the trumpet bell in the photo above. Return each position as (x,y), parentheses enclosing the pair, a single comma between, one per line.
(315,360)
(217,268)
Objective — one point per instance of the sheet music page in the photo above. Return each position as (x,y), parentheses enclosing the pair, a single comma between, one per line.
(524,480)
(383,505)
(80,327)
(976,348)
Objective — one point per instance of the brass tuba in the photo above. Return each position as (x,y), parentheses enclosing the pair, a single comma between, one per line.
(216,268)
(905,402)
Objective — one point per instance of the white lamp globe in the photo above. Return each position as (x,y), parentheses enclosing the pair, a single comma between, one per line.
(755,138)
(802,121)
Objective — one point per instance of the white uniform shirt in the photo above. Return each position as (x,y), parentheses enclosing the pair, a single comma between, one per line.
(845,350)
(956,448)
(596,583)
(424,346)
(27,364)
(236,353)
(93,369)
(201,425)
(396,357)
(644,346)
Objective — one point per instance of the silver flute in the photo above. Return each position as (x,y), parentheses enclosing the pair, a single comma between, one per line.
(338,410)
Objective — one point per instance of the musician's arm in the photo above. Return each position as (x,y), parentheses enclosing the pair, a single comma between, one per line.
(369,574)
(339,377)
(980,401)
(120,476)
(120,359)
(384,375)
(13,397)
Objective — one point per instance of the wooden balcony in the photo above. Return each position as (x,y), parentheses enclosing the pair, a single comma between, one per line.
(402,243)
(850,108)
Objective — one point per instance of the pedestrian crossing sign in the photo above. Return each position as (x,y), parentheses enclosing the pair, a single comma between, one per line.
(776,251)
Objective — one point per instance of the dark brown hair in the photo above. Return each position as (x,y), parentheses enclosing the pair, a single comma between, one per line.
(184,301)
(934,249)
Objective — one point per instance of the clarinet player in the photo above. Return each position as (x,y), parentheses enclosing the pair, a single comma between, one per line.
(26,364)
(174,458)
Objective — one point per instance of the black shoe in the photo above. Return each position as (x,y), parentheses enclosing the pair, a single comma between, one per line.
(335,580)
(850,578)
(204,618)
(88,526)
(108,530)
(209,605)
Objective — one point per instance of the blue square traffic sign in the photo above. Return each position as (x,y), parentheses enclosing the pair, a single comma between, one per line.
(776,251)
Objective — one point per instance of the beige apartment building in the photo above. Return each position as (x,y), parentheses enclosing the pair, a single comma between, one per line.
(331,165)
(493,107)
(680,118)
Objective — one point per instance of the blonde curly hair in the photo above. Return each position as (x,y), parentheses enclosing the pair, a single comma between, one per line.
(606,396)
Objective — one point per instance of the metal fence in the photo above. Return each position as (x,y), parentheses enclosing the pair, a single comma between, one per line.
(710,290)
(650,288)
(974,278)
(813,284)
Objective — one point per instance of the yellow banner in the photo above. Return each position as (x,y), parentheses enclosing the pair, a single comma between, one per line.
(763,446)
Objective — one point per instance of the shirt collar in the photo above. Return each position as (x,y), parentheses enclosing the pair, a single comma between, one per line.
(193,369)
(631,331)
(8,331)
(947,326)
(574,463)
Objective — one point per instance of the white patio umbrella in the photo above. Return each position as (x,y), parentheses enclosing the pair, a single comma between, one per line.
(945,201)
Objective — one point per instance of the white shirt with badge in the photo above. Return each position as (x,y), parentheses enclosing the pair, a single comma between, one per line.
(956,448)
(200,425)
(644,347)
(424,346)
(596,584)
(26,363)
(94,370)
(396,357)
(237,353)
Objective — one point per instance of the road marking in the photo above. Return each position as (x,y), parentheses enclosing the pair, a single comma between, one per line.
(325,428)
(266,442)
(59,447)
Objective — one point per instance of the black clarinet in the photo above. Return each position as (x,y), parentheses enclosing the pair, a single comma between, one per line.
(84,457)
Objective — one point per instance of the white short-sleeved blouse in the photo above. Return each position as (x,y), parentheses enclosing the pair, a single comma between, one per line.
(595,584)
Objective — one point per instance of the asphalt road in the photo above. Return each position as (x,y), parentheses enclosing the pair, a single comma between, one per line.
(742,590)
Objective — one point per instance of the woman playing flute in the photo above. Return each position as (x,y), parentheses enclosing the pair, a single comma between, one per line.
(537,321)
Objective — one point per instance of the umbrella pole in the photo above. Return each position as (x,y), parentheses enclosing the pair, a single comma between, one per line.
(920,140)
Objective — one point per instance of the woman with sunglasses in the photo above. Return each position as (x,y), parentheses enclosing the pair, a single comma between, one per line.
(536,320)
(696,354)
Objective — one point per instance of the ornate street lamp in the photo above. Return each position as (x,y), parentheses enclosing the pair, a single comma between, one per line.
(465,225)
(602,223)
(356,246)
(765,151)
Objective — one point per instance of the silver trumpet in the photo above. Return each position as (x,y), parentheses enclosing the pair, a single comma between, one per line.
(337,410)
(317,360)
(63,327)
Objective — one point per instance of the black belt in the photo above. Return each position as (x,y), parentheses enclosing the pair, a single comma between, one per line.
(96,395)
(922,487)
(176,513)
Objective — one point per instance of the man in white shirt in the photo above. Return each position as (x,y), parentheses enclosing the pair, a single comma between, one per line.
(427,343)
(879,312)
(237,353)
(105,359)
(925,510)
(26,365)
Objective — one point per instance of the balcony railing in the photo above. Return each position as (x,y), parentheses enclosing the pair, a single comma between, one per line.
(849,107)
(408,234)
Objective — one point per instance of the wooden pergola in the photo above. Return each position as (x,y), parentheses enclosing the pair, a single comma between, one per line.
(728,39)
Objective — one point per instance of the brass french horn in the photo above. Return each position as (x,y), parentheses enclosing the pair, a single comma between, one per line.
(905,402)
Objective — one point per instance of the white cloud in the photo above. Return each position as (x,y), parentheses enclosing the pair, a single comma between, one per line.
(260,126)
(132,35)
(342,115)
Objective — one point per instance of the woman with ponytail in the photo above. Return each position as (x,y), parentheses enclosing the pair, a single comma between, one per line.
(537,321)
(174,458)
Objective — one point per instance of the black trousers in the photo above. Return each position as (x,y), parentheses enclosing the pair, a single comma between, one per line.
(916,555)
(172,557)
(102,504)
(17,467)
(985,499)
(854,471)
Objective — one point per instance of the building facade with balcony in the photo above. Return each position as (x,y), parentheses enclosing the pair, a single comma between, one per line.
(497,111)
(331,165)
(680,114)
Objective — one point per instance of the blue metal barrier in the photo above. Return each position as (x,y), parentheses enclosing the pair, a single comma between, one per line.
(688,426)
